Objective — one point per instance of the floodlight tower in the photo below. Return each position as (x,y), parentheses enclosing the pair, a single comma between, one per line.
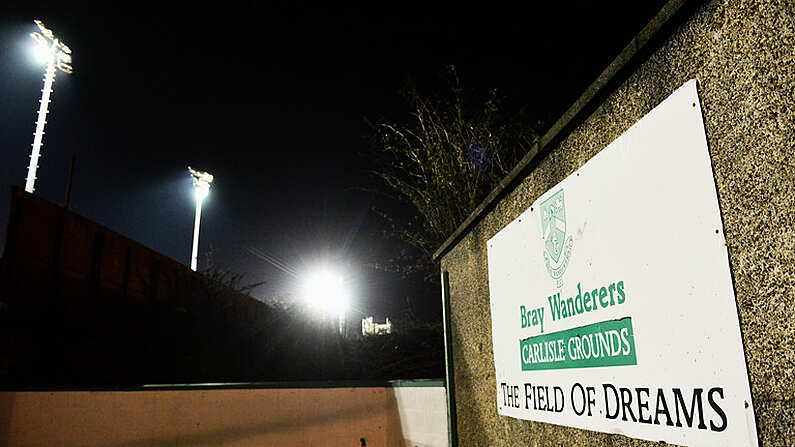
(58,56)
(201,188)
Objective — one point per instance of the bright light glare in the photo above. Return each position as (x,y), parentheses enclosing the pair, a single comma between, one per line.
(41,53)
(325,290)
(201,183)
(201,190)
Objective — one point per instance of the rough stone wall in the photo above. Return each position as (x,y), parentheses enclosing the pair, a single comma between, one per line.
(743,55)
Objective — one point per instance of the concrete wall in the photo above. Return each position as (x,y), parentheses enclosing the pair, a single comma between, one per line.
(741,53)
(383,416)
(423,415)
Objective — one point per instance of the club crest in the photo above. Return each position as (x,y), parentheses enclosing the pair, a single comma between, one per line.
(557,248)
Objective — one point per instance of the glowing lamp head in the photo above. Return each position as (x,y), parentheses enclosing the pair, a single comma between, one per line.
(325,290)
(49,49)
(201,190)
(201,183)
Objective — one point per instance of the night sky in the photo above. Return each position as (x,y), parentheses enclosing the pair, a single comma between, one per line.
(272,100)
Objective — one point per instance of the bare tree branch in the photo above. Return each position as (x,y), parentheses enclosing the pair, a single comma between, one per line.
(445,160)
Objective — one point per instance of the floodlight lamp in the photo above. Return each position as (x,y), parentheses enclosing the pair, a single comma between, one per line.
(66,68)
(200,175)
(40,40)
(325,289)
(64,61)
(201,183)
(44,29)
(52,50)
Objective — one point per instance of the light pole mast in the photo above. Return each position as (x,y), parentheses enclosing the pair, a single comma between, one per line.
(58,56)
(201,188)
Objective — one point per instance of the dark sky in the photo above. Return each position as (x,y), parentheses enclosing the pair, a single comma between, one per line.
(271,99)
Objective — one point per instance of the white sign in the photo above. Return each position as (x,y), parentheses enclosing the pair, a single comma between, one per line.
(611,297)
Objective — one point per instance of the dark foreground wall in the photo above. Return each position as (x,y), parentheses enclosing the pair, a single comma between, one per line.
(741,53)
(83,305)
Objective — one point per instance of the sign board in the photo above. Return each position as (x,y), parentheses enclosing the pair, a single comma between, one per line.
(611,297)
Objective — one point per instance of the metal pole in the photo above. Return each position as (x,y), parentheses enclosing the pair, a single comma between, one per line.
(49,77)
(195,255)
(449,370)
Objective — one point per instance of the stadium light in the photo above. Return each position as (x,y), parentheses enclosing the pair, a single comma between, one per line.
(201,189)
(57,55)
